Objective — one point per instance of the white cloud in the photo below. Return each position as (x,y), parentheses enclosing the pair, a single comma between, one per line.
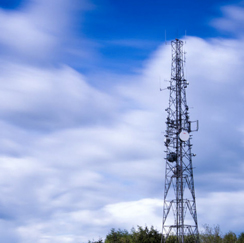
(232,21)
(80,225)
(222,208)
(50,98)
(142,212)
(40,30)
(21,35)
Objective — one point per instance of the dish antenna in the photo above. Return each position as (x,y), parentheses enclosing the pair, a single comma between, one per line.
(184,136)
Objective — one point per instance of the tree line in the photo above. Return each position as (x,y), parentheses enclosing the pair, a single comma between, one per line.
(151,235)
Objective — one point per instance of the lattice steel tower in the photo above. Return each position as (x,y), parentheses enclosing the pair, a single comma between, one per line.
(179,212)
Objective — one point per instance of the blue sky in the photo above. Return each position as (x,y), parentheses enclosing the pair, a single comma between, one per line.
(82,118)
(141,26)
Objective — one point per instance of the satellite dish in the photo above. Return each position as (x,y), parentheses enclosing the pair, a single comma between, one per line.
(171,157)
(184,136)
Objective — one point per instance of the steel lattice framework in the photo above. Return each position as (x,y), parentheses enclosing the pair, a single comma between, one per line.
(179,212)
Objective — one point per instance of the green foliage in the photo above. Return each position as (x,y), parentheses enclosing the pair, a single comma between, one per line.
(99,241)
(241,238)
(190,239)
(187,239)
(210,235)
(171,239)
(230,238)
(151,235)
(119,236)
(145,235)
(141,235)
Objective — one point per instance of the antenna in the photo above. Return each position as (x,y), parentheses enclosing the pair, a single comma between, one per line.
(160,84)
(179,210)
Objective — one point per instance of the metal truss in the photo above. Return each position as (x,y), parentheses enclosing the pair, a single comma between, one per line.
(179,212)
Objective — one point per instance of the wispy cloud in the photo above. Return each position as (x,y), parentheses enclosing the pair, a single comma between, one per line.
(232,20)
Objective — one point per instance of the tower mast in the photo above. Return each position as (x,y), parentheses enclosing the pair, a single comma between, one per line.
(179,213)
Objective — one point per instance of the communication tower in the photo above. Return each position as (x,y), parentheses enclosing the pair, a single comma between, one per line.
(179,211)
